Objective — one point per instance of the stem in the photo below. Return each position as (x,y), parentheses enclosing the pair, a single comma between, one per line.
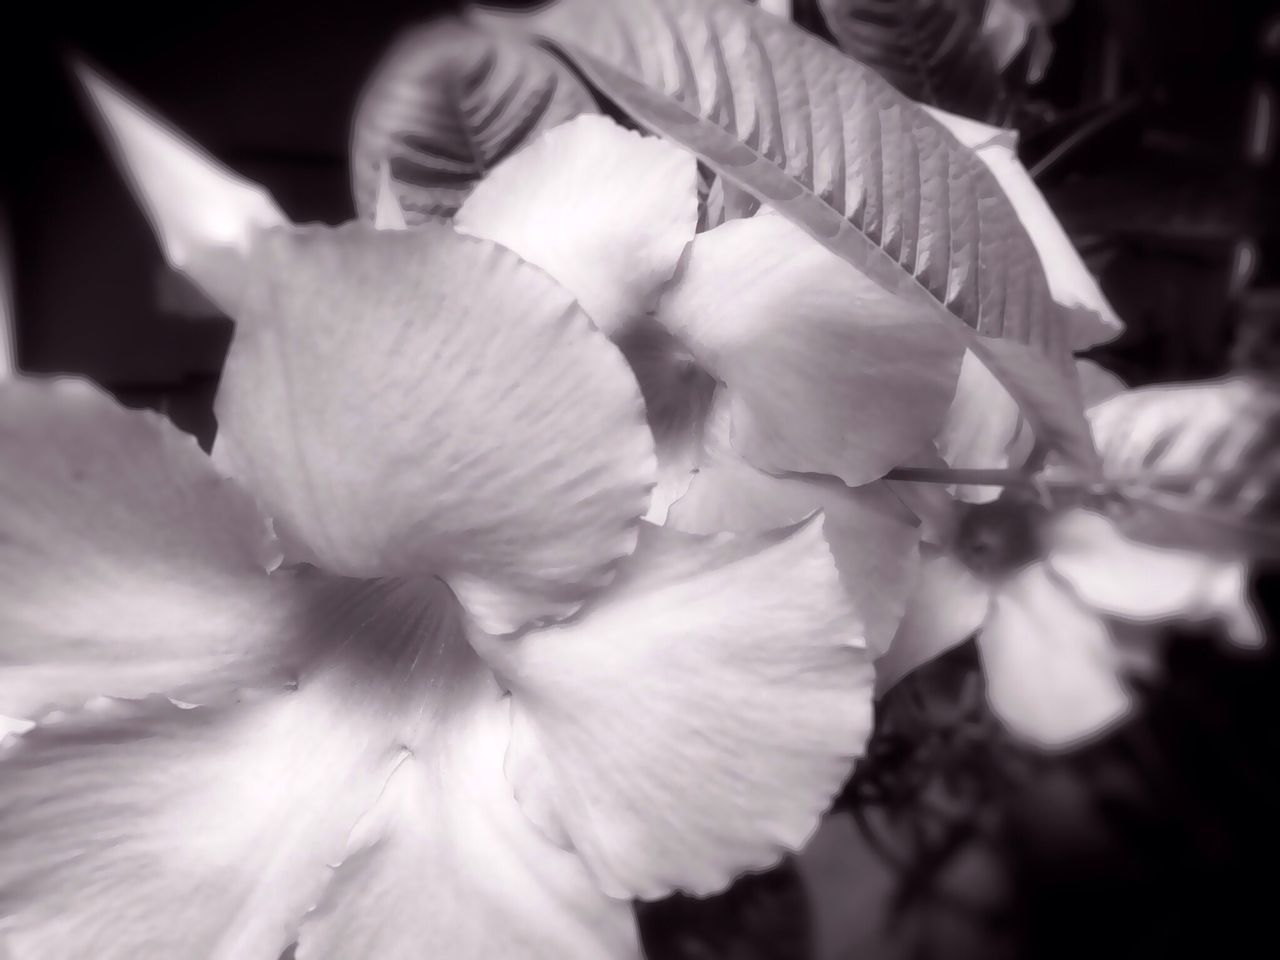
(977,477)
(999,477)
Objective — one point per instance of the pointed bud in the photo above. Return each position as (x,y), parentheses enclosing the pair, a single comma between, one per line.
(204,215)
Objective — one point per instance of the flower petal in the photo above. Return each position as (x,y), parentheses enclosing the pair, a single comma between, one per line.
(1124,578)
(1053,675)
(946,607)
(826,371)
(10,726)
(700,713)
(387,212)
(869,530)
(1097,383)
(417,402)
(1092,318)
(984,429)
(677,396)
(177,833)
(604,210)
(129,566)
(446,866)
(149,830)
(204,215)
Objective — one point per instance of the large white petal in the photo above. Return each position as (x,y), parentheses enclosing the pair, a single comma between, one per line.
(826,372)
(604,210)
(127,565)
(147,831)
(415,402)
(698,715)
(447,866)
(1092,318)
(204,215)
(177,833)
(1053,676)
(946,606)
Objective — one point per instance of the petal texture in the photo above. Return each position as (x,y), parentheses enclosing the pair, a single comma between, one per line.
(604,210)
(947,605)
(698,716)
(1053,676)
(447,866)
(176,833)
(872,535)
(417,402)
(826,372)
(128,566)
(144,830)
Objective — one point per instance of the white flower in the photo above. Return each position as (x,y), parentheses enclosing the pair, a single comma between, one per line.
(317,752)
(1040,589)
(751,329)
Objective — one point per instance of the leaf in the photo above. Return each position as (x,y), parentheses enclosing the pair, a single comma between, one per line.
(448,102)
(934,51)
(1198,465)
(833,147)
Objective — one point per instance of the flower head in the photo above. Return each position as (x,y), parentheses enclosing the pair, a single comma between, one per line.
(478,700)
(1042,588)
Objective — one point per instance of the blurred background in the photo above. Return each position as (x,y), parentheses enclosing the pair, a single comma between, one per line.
(1151,126)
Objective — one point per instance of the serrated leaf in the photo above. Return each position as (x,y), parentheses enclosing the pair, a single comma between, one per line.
(934,51)
(864,170)
(449,102)
(1198,464)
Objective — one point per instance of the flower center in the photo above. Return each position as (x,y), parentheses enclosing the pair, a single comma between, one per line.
(995,539)
(676,390)
(402,644)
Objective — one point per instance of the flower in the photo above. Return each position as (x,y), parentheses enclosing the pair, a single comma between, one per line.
(491,699)
(745,329)
(1040,587)
(778,379)
(1052,672)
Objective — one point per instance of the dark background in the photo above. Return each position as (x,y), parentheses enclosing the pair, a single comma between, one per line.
(268,88)
(1153,136)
